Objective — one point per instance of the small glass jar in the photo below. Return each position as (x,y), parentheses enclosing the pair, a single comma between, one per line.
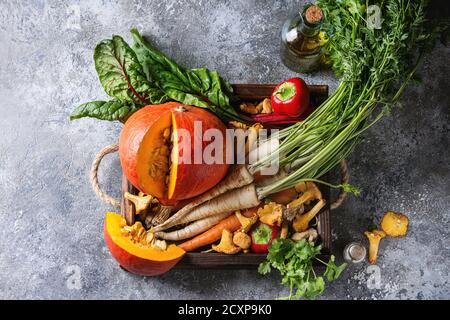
(301,43)
(354,252)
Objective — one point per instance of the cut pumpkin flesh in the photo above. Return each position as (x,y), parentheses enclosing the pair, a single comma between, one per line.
(173,160)
(153,157)
(137,257)
(165,163)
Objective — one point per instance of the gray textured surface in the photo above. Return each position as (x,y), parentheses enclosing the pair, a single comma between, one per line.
(52,223)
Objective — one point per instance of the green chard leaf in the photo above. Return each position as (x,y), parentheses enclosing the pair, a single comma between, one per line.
(212,86)
(166,73)
(105,110)
(199,87)
(122,76)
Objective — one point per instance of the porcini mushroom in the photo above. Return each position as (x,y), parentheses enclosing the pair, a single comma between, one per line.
(301,222)
(141,201)
(374,240)
(226,244)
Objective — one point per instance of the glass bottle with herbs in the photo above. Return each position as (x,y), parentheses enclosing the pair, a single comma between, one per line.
(301,42)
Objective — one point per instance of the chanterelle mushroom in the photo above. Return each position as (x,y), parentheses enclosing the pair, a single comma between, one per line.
(284,229)
(238,125)
(374,237)
(394,224)
(242,240)
(301,187)
(141,202)
(311,193)
(226,244)
(250,108)
(246,223)
(252,137)
(265,106)
(310,235)
(271,214)
(301,222)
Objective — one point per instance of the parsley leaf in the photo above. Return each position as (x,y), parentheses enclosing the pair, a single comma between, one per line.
(264,267)
(333,271)
(294,260)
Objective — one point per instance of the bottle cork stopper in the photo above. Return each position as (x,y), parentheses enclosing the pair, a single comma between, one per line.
(313,14)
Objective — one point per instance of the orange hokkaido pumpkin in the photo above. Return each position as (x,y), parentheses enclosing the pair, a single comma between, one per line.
(163,165)
(134,257)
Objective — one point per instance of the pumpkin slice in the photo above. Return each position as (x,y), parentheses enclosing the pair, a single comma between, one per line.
(136,257)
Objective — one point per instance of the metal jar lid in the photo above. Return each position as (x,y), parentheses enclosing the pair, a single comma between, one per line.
(354,252)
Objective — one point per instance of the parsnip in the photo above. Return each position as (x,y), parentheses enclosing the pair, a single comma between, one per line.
(193,229)
(237,199)
(240,176)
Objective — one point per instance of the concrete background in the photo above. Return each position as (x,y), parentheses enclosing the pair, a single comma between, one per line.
(51,222)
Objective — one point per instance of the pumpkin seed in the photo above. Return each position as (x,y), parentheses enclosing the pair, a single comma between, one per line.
(150,237)
(166,133)
(141,233)
(160,244)
(164,150)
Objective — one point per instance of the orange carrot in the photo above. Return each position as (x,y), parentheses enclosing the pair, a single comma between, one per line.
(230,223)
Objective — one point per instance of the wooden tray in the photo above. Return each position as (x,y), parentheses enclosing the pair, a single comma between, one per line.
(212,260)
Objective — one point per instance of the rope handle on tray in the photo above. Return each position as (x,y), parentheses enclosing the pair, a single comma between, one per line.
(343,169)
(94,176)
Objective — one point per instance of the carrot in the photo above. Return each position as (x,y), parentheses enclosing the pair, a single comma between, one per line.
(237,178)
(230,223)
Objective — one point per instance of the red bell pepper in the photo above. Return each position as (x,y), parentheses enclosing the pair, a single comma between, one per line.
(262,236)
(291,97)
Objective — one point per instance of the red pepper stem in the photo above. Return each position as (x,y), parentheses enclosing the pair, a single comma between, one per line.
(286,91)
(262,234)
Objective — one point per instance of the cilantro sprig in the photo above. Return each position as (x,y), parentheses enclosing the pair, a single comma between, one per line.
(294,260)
